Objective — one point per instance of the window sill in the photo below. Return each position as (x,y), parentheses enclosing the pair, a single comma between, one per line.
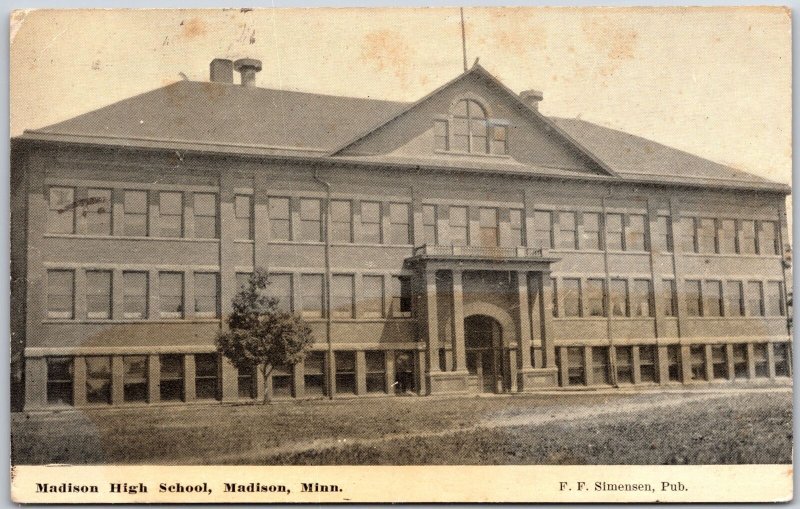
(122,237)
(336,244)
(128,320)
(732,255)
(471,154)
(736,318)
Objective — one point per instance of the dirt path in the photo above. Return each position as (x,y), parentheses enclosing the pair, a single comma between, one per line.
(530,416)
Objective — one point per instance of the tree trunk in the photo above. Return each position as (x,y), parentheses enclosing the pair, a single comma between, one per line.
(266,370)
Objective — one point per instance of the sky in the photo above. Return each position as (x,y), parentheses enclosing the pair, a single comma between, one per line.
(712,81)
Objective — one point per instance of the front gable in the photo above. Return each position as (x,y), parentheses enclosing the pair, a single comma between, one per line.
(475,118)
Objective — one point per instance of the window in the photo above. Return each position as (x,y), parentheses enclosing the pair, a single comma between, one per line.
(600,374)
(614,235)
(135,213)
(61,210)
(371,222)
(401,296)
(281,381)
(641,300)
(543,223)
(60,294)
(590,238)
(634,233)
(670,298)
(59,380)
(459,226)
(171,384)
(341,221)
(575,361)
(399,231)
(311,288)
(206,374)
(684,229)
(280,219)
(170,214)
(624,364)
(469,128)
(342,296)
(98,380)
(314,374)
(760,360)
(780,353)
(661,235)
(243,210)
(489,228)
(517,231)
(647,363)
(674,363)
(98,211)
(719,362)
(429,224)
(206,295)
(170,286)
(376,371)
(755,298)
(373,303)
(619,297)
(767,238)
(345,372)
(712,298)
(440,135)
(774,299)
(572,297)
(310,220)
(706,235)
(404,372)
(279,286)
(740,367)
(246,383)
(747,237)
(595,305)
(499,144)
(98,294)
(735,297)
(693,297)
(726,236)
(134,294)
(205,215)
(134,378)
(567,231)
(697,354)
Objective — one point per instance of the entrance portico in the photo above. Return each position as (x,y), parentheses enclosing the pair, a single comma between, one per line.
(482,312)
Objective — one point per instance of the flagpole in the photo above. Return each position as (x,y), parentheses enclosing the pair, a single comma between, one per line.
(463,39)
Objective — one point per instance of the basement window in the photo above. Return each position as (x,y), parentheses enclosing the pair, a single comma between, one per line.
(134,378)
(781,355)
(98,380)
(314,377)
(246,380)
(282,381)
(206,375)
(171,384)
(698,359)
(59,380)
(376,371)
(345,372)
(719,362)
(760,360)
(600,366)
(576,374)
(647,363)
(624,365)
(674,363)
(404,372)
(740,369)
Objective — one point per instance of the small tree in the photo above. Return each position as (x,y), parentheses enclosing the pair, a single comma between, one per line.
(260,335)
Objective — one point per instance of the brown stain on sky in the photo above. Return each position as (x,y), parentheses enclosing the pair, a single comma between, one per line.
(193,28)
(515,30)
(613,40)
(387,50)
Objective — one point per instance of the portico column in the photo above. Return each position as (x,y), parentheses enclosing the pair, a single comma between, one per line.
(432,320)
(524,320)
(548,344)
(459,348)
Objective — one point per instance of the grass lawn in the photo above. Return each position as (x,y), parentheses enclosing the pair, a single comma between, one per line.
(571,428)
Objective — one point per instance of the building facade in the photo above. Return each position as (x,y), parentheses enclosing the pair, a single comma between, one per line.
(464,243)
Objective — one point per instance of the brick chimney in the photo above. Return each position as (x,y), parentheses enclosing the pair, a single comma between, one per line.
(221,70)
(532,98)
(248,67)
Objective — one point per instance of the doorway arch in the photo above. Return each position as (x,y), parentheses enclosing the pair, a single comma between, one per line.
(483,338)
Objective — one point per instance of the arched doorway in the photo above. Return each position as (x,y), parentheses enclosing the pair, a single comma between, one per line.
(483,337)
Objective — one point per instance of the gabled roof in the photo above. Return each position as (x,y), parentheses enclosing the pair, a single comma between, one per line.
(226,118)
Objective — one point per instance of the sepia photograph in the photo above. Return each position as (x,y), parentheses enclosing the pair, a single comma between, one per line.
(400,237)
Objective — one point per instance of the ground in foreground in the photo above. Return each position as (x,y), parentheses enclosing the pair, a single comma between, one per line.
(730,426)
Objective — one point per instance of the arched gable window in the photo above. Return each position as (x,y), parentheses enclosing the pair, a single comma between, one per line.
(468,129)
